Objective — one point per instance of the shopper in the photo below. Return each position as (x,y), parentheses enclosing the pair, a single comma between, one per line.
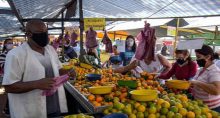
(183,69)
(29,70)
(7,46)
(69,51)
(115,60)
(164,50)
(206,83)
(130,48)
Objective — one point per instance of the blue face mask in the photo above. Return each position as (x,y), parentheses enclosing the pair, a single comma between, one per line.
(40,38)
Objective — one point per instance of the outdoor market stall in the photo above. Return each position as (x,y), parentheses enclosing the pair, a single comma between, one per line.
(120,95)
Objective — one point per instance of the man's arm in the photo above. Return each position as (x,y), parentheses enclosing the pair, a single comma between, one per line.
(23,87)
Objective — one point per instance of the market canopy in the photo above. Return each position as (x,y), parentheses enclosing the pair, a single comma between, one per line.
(127,9)
(121,9)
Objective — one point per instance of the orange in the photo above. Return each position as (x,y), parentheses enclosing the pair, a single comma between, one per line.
(160,101)
(99,99)
(184,98)
(190,114)
(166,104)
(208,115)
(110,103)
(160,89)
(152,116)
(141,108)
(150,77)
(91,97)
(136,105)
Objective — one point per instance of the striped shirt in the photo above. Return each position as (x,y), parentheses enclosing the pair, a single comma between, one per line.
(2,61)
(209,75)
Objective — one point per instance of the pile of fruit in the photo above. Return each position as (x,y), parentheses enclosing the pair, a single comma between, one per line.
(79,116)
(167,106)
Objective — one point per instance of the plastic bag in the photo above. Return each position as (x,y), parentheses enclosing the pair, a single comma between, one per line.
(58,82)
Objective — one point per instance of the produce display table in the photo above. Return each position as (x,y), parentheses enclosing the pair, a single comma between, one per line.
(82,100)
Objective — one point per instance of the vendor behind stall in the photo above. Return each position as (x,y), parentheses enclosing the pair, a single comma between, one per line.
(145,58)
(29,70)
(206,83)
(183,69)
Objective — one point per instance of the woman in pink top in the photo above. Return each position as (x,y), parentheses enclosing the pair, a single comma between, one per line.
(183,69)
(206,83)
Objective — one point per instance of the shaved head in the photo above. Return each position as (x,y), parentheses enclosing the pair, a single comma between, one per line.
(35,26)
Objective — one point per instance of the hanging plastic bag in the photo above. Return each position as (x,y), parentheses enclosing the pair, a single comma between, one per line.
(58,82)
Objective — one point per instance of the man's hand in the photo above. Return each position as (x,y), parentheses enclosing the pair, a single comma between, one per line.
(45,84)
(72,73)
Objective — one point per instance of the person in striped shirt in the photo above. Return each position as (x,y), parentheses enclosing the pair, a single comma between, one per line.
(7,46)
(206,83)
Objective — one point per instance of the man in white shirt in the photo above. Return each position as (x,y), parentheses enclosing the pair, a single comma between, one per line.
(29,70)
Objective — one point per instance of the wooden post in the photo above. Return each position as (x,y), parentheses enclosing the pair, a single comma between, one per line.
(176,37)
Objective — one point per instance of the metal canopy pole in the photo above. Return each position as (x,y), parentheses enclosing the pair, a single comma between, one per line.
(62,25)
(176,36)
(82,51)
(16,12)
(215,36)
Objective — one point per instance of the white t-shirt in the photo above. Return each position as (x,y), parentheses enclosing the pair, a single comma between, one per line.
(153,67)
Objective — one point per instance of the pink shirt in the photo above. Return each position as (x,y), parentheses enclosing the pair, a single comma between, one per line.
(211,74)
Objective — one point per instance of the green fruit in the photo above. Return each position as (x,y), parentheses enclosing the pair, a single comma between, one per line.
(215,114)
(146,114)
(157,115)
(185,104)
(132,116)
(164,111)
(198,117)
(190,108)
(80,116)
(203,116)
(152,110)
(170,114)
(162,116)
(174,109)
(173,98)
(73,116)
(178,115)
(197,112)
(106,111)
(158,107)
(172,103)
(171,94)
(144,103)
(140,115)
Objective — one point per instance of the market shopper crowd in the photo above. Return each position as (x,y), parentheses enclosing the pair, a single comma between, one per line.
(30,68)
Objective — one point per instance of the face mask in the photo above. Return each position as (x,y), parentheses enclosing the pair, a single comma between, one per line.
(201,62)
(180,61)
(9,46)
(40,38)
